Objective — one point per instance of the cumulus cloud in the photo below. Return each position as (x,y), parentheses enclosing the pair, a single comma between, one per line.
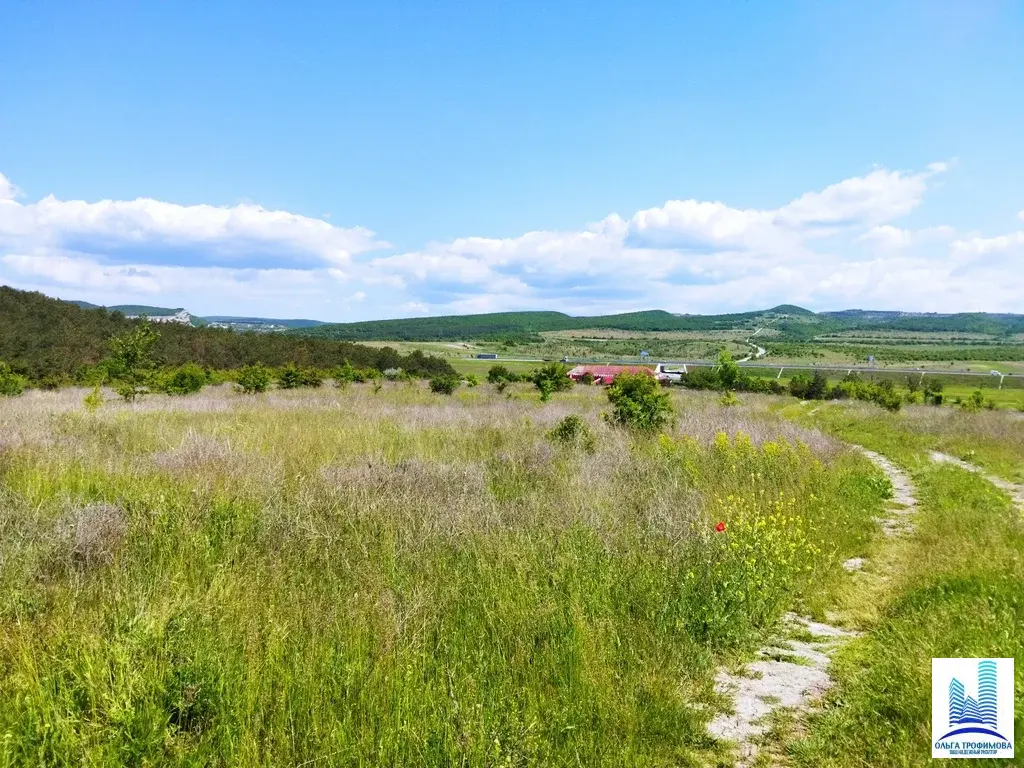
(137,223)
(836,247)
(7,190)
(887,236)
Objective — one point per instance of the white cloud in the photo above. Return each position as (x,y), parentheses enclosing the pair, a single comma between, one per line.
(832,248)
(984,245)
(135,223)
(889,237)
(82,273)
(7,190)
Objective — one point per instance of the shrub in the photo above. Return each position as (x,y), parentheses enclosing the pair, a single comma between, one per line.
(973,403)
(729,398)
(253,378)
(93,400)
(131,360)
(587,378)
(343,375)
(728,370)
(702,378)
(574,432)
(54,381)
(392,374)
(293,377)
(472,380)
(638,402)
(11,384)
(809,387)
(444,385)
(553,377)
(499,373)
(186,380)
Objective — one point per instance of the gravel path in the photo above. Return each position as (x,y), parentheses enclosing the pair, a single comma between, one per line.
(1015,491)
(792,674)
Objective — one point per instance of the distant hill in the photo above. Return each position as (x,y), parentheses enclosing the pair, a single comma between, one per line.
(131,309)
(49,337)
(791,322)
(504,324)
(262,321)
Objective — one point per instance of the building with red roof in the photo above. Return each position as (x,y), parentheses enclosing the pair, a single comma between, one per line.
(605,374)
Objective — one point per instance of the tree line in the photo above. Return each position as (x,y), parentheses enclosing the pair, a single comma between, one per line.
(53,342)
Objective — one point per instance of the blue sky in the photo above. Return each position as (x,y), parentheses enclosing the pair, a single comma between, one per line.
(352,161)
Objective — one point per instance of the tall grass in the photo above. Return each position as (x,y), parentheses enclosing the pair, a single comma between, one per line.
(397,578)
(955,593)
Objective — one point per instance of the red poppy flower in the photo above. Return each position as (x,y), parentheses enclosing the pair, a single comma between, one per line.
(720,527)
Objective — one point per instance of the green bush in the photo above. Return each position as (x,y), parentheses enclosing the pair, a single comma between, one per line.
(574,432)
(550,378)
(587,378)
(253,378)
(344,375)
(11,384)
(974,403)
(131,360)
(472,380)
(638,402)
(292,376)
(499,373)
(187,379)
(729,398)
(444,385)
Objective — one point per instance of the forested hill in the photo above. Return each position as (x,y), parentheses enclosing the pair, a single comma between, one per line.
(791,322)
(40,337)
(498,324)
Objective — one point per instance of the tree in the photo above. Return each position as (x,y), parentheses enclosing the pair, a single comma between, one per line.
(728,370)
(638,402)
(131,360)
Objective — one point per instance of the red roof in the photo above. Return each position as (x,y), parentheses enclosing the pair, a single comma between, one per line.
(607,373)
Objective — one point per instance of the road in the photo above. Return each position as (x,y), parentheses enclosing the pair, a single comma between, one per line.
(773,366)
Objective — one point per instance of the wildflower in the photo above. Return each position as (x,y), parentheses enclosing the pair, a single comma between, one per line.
(720,527)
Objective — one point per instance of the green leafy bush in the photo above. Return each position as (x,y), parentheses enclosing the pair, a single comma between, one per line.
(93,400)
(472,380)
(131,361)
(444,385)
(638,402)
(729,398)
(499,373)
(550,378)
(187,379)
(574,432)
(292,376)
(11,384)
(253,378)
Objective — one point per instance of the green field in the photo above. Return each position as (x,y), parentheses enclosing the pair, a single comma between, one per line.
(362,577)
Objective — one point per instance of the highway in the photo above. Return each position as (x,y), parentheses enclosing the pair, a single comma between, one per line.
(774,366)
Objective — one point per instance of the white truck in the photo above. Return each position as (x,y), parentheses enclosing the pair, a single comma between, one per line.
(672,374)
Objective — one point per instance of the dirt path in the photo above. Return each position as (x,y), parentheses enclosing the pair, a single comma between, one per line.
(1015,491)
(793,673)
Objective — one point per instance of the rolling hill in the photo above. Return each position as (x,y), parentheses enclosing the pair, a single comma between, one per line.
(792,323)
(44,337)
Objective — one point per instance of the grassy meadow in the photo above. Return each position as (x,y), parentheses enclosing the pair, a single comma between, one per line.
(952,588)
(349,578)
